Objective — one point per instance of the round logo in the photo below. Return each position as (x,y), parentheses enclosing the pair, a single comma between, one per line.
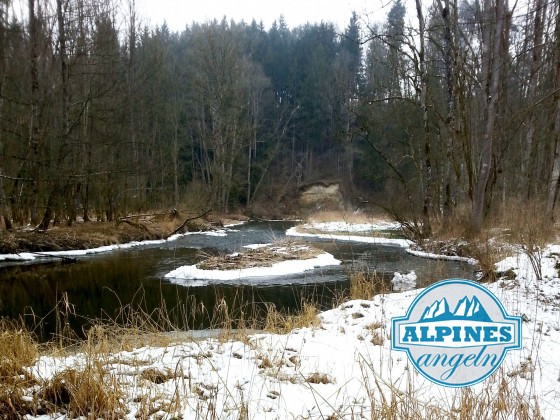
(456,333)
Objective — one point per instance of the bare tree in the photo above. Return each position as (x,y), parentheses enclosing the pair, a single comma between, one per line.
(422,75)
(34,114)
(494,40)
(4,211)
(554,183)
(531,144)
(56,189)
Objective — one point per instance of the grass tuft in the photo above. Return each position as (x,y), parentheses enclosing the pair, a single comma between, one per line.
(280,322)
(364,285)
(18,351)
(157,376)
(319,378)
(87,392)
(264,256)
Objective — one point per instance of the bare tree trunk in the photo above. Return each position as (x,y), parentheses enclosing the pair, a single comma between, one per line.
(280,133)
(554,183)
(531,145)
(252,143)
(249,163)
(131,106)
(34,118)
(57,189)
(175,153)
(427,167)
(3,64)
(450,18)
(491,66)
(3,204)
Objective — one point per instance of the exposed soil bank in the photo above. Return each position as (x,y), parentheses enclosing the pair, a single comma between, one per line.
(96,234)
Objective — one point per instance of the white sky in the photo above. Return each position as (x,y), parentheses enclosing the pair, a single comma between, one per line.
(179,13)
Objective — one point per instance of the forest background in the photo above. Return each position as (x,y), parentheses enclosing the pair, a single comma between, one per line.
(451,115)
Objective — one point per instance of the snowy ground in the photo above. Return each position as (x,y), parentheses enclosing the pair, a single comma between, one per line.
(344,366)
(344,231)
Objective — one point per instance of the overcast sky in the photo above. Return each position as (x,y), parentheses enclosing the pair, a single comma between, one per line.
(179,13)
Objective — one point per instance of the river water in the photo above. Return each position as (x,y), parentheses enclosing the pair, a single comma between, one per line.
(108,286)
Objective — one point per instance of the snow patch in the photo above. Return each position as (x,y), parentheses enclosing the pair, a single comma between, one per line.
(433,256)
(405,243)
(282,268)
(402,282)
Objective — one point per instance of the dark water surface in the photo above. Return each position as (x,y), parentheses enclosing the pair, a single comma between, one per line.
(99,286)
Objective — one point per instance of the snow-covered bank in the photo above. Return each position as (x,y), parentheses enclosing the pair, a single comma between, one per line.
(433,256)
(30,256)
(358,232)
(334,231)
(348,227)
(344,367)
(341,368)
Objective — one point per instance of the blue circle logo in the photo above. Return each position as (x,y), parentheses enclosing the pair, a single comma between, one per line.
(456,333)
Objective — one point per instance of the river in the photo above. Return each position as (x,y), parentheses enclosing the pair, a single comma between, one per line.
(111,285)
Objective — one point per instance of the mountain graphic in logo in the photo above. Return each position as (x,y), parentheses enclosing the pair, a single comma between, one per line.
(466,309)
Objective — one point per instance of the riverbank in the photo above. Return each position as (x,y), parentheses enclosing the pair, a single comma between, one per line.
(334,364)
(94,235)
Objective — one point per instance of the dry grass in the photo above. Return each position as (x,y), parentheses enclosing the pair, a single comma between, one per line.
(525,222)
(319,378)
(89,392)
(82,236)
(378,333)
(518,224)
(131,327)
(157,376)
(18,350)
(94,234)
(280,322)
(261,257)
(498,399)
(346,216)
(364,285)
